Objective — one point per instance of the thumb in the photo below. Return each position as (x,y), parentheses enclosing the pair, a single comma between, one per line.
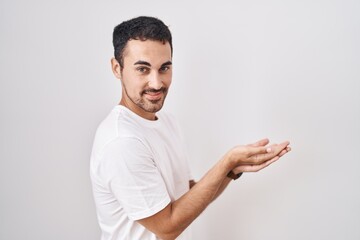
(260,143)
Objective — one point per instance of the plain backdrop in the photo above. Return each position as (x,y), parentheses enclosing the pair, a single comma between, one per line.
(243,70)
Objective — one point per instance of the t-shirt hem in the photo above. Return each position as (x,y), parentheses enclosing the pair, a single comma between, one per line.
(147,213)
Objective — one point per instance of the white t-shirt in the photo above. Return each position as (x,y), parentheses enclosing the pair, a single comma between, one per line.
(137,168)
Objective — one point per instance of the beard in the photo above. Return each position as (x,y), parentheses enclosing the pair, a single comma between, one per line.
(151,106)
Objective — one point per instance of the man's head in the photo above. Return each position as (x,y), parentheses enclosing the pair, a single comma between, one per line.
(143,55)
(140,28)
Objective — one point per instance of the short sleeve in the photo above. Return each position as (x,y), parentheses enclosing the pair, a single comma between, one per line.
(134,178)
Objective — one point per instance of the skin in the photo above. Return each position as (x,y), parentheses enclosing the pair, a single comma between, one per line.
(146,78)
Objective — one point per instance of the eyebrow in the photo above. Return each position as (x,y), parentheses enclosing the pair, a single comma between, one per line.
(166,63)
(140,62)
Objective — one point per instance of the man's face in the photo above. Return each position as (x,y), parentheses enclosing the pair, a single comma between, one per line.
(146,76)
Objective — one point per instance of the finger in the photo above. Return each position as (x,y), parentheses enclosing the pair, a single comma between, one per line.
(263,156)
(253,151)
(260,143)
(256,168)
(266,164)
(271,151)
(284,151)
(279,147)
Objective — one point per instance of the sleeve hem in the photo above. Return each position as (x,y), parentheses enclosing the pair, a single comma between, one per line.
(149,212)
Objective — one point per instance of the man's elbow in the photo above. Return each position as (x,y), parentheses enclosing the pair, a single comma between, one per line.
(170,230)
(163,224)
(168,235)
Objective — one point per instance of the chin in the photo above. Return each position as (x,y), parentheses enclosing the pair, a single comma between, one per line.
(153,106)
(153,109)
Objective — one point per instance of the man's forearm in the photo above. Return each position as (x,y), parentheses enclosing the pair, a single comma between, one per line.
(221,189)
(177,216)
(187,208)
(223,186)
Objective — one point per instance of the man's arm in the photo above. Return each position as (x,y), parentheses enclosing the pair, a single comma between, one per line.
(177,216)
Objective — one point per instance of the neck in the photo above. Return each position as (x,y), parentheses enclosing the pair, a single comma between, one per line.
(137,110)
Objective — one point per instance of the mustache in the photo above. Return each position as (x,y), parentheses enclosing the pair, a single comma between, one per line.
(152,90)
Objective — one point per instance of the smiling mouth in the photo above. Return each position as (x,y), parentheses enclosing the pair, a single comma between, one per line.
(153,95)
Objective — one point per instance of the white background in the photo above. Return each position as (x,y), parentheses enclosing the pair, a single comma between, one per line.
(243,70)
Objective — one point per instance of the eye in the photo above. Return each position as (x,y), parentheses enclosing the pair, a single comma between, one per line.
(164,69)
(142,69)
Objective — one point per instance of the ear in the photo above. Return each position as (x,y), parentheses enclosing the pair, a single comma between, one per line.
(116,68)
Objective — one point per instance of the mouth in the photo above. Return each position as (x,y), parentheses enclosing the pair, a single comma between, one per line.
(154,95)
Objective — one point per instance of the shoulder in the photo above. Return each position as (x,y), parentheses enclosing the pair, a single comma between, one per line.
(117,128)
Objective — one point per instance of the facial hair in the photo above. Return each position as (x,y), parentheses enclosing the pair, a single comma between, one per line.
(151,106)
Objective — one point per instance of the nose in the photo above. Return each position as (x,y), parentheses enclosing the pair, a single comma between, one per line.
(155,81)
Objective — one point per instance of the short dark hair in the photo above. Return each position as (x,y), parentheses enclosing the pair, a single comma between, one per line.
(140,28)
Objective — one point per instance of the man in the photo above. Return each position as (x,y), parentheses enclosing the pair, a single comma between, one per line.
(141,181)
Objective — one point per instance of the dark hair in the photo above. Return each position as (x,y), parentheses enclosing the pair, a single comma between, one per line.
(140,28)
